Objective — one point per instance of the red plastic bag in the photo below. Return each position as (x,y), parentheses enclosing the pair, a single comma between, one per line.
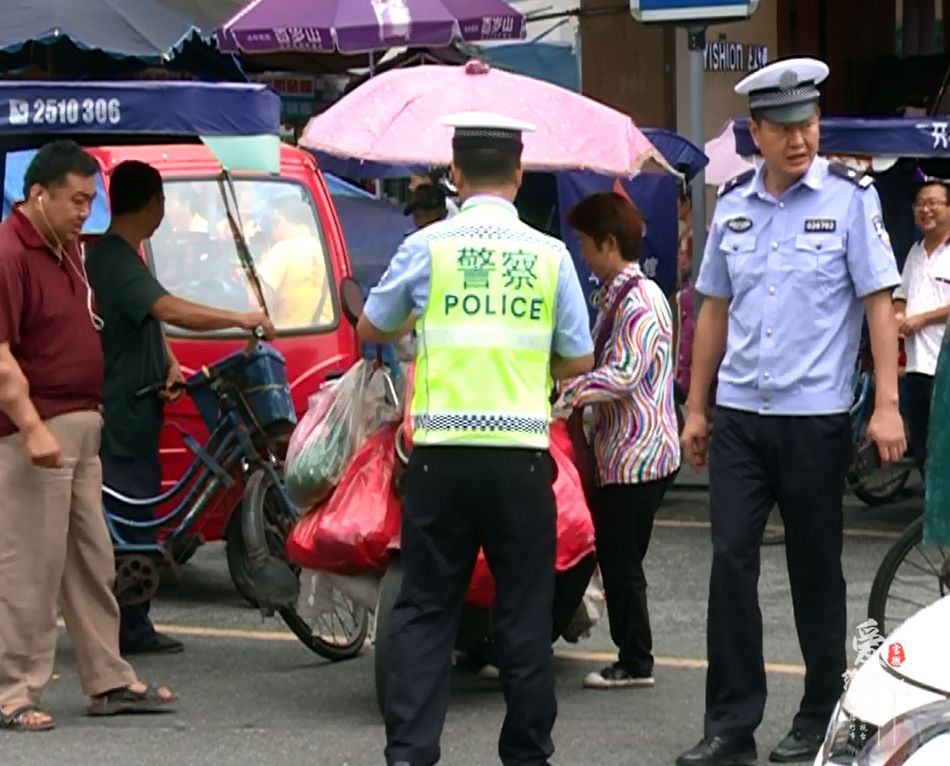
(575,529)
(352,532)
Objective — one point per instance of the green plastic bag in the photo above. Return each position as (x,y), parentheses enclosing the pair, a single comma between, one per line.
(937,491)
(340,417)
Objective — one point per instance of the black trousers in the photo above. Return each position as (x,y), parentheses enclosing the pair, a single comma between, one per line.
(755,462)
(623,517)
(137,478)
(918,391)
(457,499)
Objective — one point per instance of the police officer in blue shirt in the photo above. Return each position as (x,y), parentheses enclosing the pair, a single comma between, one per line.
(797,253)
(498,311)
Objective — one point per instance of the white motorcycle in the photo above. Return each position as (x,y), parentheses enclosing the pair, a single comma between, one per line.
(896,710)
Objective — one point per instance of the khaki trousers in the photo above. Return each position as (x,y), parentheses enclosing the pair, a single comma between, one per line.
(54,544)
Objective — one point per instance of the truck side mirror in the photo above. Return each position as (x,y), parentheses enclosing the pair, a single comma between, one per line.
(351,299)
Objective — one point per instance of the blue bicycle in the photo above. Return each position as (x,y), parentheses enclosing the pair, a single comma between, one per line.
(245,401)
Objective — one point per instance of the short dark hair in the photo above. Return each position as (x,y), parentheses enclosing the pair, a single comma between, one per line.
(608,213)
(933,182)
(133,184)
(56,160)
(428,198)
(487,165)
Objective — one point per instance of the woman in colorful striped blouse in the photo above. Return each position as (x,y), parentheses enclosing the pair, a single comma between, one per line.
(634,437)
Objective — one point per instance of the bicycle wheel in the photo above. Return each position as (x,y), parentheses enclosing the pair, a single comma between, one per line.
(910,577)
(236,555)
(336,633)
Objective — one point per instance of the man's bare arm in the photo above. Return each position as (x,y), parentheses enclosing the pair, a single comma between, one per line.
(882,326)
(937,316)
(15,392)
(562,369)
(709,346)
(199,318)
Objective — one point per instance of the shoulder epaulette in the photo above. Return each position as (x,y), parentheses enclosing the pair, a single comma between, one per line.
(739,180)
(857,177)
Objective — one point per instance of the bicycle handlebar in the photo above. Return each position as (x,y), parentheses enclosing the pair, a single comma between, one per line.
(153,389)
(258,334)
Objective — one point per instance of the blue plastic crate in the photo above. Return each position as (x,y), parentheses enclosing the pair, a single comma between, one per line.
(262,377)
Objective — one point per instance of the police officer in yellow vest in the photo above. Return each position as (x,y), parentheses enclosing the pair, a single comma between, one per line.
(499,313)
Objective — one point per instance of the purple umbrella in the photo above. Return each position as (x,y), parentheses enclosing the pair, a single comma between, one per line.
(363,26)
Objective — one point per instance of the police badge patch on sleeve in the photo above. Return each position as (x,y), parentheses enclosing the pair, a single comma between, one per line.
(878,223)
(739,224)
(826,225)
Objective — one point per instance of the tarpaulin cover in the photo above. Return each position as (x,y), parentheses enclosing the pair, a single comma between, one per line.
(655,194)
(373,229)
(937,497)
(151,108)
(872,137)
(681,153)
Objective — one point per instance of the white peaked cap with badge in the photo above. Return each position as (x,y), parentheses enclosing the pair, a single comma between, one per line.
(785,91)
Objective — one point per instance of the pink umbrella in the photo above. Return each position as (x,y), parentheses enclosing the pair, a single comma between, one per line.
(725,163)
(394,119)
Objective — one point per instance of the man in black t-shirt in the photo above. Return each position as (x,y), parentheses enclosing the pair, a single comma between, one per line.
(133,305)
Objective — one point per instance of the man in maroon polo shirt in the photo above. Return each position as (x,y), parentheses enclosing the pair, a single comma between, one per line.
(54,545)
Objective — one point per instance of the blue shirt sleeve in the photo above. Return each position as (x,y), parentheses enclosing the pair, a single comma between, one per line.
(713,279)
(404,287)
(871,261)
(572,337)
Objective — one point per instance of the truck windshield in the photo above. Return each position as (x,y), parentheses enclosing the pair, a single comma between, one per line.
(194,255)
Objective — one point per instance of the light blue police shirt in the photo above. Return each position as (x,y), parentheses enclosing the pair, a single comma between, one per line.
(795,270)
(405,285)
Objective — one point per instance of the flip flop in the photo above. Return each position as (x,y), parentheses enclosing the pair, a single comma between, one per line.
(125,701)
(17,720)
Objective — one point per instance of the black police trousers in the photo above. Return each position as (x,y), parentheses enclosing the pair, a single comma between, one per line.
(457,499)
(800,463)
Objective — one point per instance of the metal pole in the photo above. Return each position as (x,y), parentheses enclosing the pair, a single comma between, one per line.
(697,108)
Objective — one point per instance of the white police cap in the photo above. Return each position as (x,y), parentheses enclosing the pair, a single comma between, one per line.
(486,129)
(785,91)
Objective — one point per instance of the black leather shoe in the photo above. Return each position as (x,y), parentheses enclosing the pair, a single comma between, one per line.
(157,643)
(720,751)
(797,747)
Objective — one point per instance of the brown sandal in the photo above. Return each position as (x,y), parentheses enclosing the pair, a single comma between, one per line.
(19,720)
(126,701)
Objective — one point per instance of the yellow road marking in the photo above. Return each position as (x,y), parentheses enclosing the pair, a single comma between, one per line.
(879,534)
(575,655)
(691,663)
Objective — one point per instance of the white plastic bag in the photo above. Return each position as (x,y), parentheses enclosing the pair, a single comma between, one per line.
(341,416)
(590,611)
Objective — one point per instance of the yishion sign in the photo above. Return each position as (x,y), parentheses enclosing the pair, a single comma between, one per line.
(724,56)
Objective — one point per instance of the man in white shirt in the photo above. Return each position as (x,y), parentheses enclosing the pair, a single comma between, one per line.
(922,305)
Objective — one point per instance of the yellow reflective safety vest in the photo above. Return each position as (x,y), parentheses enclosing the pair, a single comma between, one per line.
(483,368)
